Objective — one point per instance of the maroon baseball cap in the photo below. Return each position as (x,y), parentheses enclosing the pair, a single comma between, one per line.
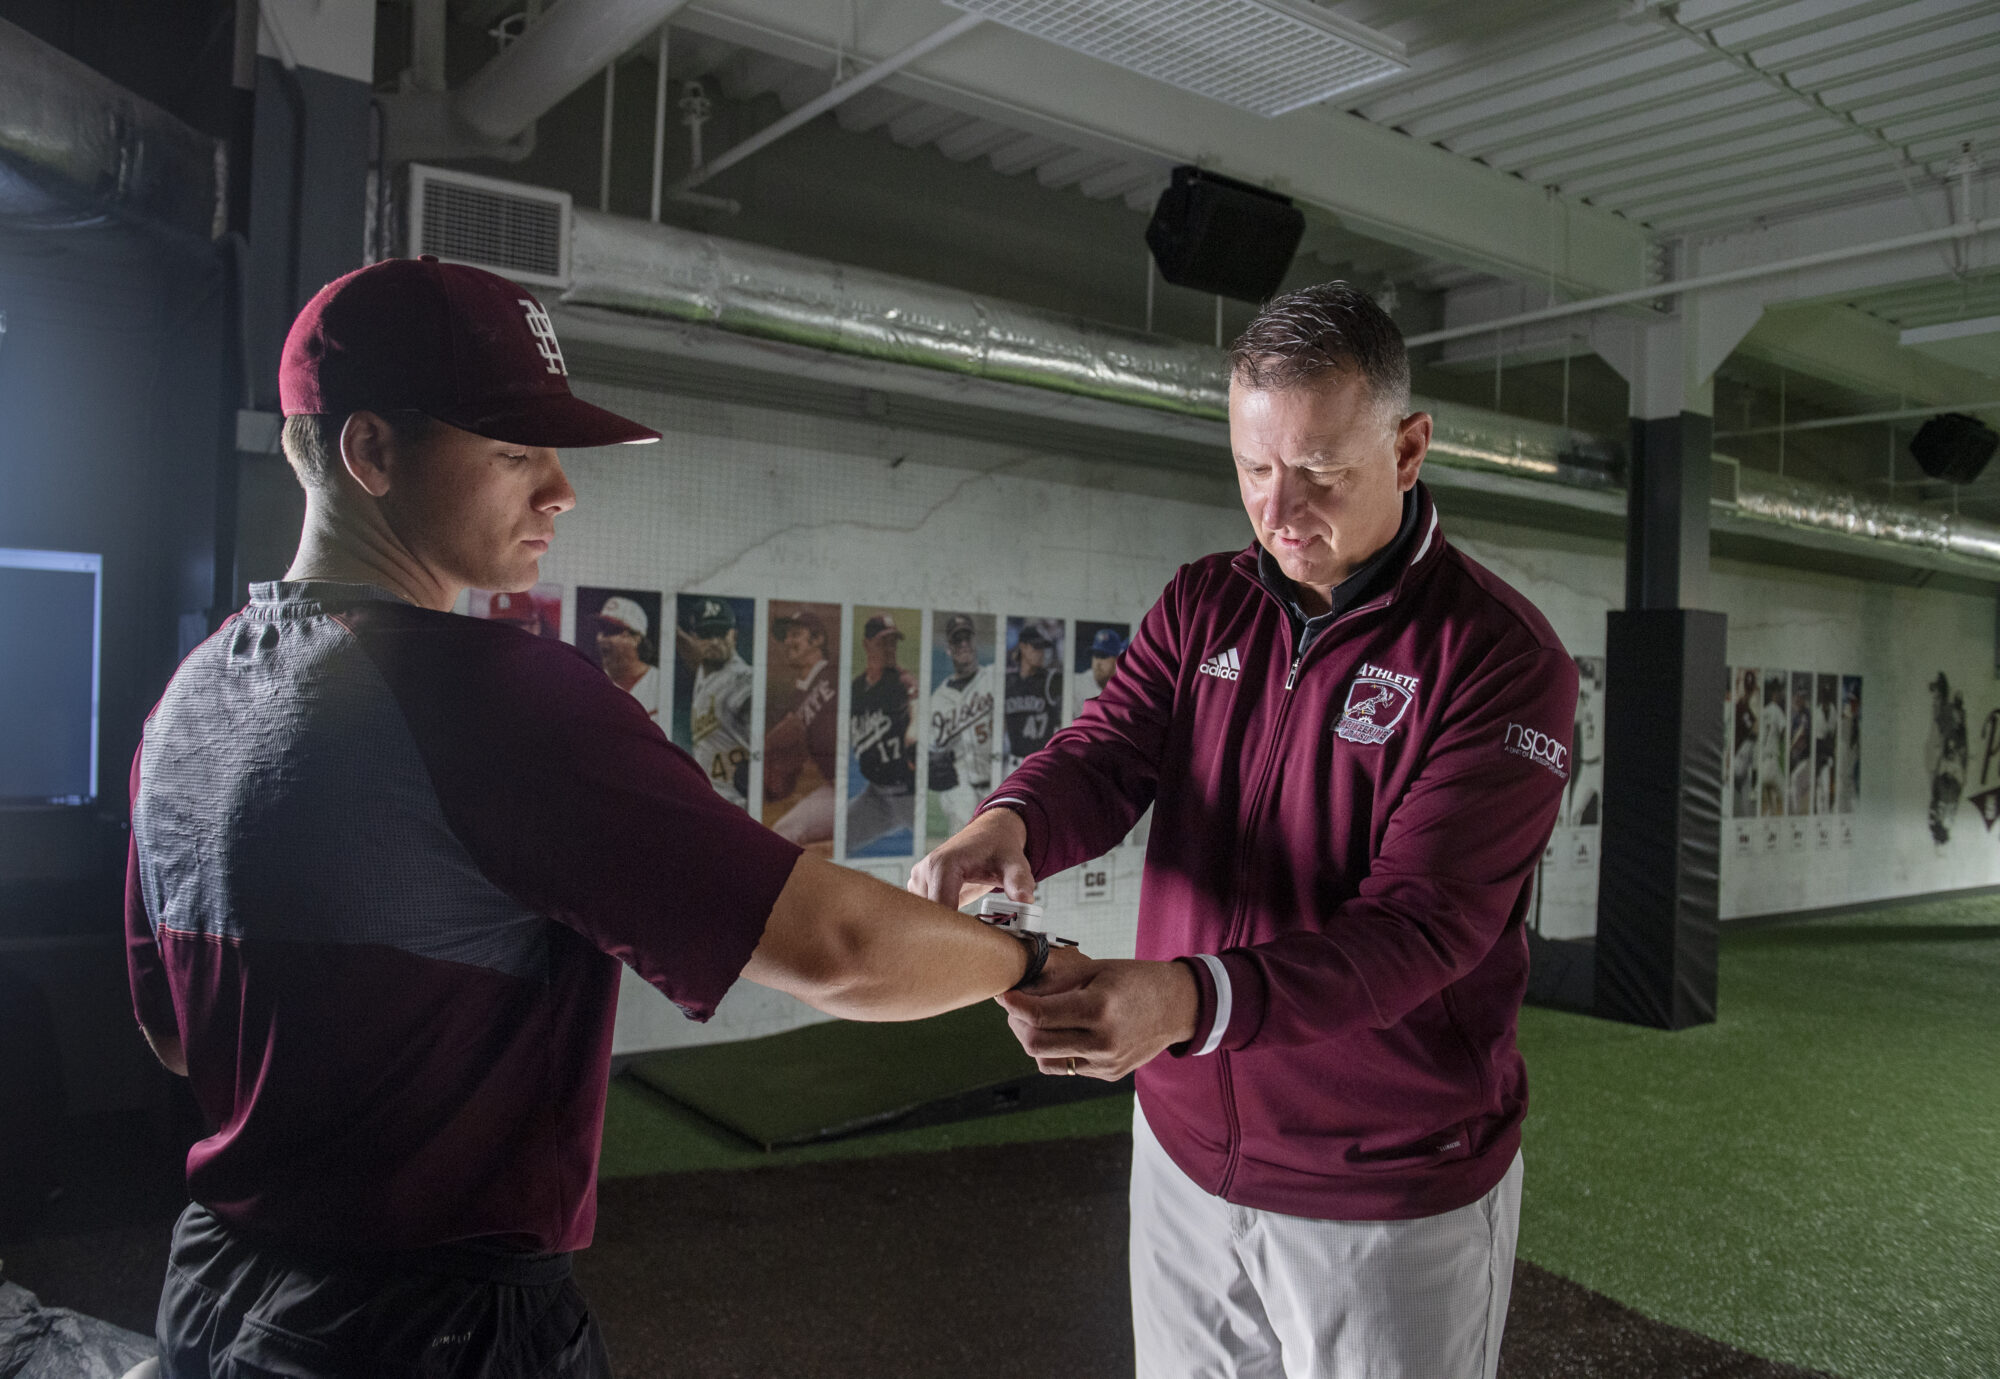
(457,343)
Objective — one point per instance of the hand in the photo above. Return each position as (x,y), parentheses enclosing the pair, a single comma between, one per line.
(1117,1016)
(989,852)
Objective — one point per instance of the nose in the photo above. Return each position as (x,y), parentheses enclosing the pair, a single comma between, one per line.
(555,496)
(1280,497)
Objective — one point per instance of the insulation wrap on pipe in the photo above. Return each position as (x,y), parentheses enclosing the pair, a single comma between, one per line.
(1813,507)
(650,270)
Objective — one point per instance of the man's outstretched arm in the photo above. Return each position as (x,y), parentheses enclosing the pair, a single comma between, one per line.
(850,945)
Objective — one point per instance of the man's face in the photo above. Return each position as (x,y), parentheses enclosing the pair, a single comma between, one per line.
(1322,469)
(714,652)
(964,656)
(617,648)
(1102,668)
(881,651)
(477,512)
(1031,657)
(802,649)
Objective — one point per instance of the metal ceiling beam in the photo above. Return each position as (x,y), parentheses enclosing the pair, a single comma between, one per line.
(870,76)
(1780,82)
(1857,352)
(1377,181)
(571,44)
(1615,117)
(1860,419)
(1797,266)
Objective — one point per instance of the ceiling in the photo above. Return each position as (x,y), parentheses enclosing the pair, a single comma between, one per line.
(1689,120)
(1705,115)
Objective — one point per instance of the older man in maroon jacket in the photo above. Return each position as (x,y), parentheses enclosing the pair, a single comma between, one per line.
(1354,740)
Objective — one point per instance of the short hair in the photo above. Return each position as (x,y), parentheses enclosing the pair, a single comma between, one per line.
(311,441)
(1332,328)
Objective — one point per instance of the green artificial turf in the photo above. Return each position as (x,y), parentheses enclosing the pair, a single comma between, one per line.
(1816,1177)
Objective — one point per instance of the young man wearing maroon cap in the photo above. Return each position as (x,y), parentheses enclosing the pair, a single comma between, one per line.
(1354,740)
(386,860)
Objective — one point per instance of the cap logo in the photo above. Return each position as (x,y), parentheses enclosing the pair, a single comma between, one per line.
(544,331)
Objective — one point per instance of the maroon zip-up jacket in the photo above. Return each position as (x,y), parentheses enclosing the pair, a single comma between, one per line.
(1343,848)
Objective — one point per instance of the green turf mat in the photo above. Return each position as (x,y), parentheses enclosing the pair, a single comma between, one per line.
(645,1133)
(842,1077)
(1811,1179)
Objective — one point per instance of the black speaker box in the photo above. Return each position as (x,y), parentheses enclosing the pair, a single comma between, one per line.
(1953,447)
(1215,234)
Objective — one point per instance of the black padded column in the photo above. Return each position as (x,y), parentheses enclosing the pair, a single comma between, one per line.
(1657,884)
(1665,663)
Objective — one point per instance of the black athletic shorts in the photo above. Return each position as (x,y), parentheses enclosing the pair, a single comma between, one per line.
(235,1309)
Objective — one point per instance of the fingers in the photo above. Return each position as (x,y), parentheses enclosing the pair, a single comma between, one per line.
(1016,876)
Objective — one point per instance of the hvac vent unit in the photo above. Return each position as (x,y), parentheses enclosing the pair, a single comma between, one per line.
(519,232)
(1725,475)
(1264,56)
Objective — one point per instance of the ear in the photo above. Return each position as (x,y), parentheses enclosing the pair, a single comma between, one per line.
(367,452)
(1413,442)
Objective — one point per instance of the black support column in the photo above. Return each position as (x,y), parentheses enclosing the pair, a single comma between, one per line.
(1657,893)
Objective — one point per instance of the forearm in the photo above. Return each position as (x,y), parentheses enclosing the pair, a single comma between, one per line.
(855,947)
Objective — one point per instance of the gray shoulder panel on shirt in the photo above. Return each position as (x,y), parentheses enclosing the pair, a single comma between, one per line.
(282,798)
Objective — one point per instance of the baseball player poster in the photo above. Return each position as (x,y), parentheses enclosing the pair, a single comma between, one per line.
(1741,740)
(802,722)
(1826,733)
(1772,739)
(713,655)
(960,741)
(619,630)
(1798,803)
(1847,788)
(1583,805)
(1033,702)
(882,734)
(537,610)
(1098,647)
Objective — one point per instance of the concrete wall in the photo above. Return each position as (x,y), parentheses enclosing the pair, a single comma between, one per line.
(752,502)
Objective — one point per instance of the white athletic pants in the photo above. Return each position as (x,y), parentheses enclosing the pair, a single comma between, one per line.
(1227,1292)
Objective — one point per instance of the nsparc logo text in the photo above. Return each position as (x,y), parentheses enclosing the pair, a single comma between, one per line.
(1538,747)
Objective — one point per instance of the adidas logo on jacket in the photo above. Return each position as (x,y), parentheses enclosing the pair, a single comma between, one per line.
(1224,665)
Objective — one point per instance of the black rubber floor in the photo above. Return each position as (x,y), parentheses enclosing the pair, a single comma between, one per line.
(991,1263)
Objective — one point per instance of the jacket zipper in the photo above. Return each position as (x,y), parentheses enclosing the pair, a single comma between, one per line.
(1234,1143)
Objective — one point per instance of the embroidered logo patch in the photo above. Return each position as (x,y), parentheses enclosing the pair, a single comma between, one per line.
(1538,747)
(544,331)
(1376,703)
(1223,665)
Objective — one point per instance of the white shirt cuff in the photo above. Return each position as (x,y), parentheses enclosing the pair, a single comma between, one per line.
(1220,975)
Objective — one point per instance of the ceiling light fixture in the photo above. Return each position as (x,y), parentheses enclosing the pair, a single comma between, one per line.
(1264,56)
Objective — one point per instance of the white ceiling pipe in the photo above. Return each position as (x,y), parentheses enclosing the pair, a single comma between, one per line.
(576,41)
(813,109)
(1960,230)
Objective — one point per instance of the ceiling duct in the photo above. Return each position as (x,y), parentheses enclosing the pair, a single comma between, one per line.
(77,149)
(1264,56)
(635,270)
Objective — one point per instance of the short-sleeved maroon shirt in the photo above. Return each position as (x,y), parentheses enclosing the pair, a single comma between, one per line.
(385,864)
